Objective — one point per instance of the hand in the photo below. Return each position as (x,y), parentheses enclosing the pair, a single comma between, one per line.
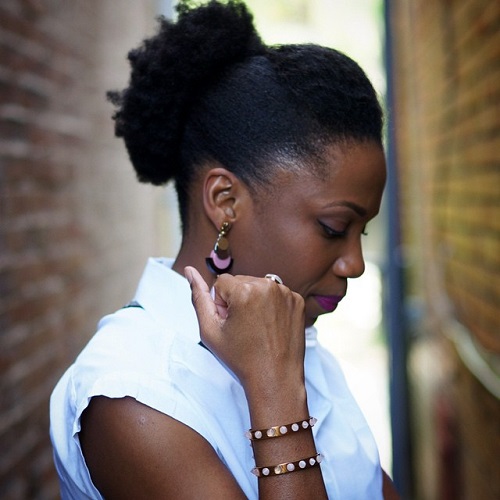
(253,325)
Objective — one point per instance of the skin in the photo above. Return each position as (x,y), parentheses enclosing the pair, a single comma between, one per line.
(134,451)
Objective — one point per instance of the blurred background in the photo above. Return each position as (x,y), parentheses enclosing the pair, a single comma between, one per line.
(418,335)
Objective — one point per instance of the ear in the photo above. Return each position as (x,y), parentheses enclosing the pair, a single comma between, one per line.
(223,196)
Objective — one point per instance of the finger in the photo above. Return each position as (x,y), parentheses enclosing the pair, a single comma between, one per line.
(206,308)
(220,303)
(199,289)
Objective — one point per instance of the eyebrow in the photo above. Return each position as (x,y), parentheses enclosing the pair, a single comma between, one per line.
(349,204)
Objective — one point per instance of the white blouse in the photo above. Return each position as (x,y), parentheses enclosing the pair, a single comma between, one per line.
(153,354)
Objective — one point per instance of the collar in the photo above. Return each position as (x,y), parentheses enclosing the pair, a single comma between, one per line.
(166,296)
(318,387)
(311,336)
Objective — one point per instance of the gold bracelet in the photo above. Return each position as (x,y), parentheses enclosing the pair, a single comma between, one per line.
(287,467)
(280,430)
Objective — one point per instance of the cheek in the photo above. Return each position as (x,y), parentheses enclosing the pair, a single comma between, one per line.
(269,253)
(305,279)
(286,246)
(255,250)
(305,269)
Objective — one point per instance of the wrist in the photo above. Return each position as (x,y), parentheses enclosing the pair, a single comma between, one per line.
(277,403)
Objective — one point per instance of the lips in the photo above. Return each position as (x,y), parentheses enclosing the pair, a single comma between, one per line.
(328,302)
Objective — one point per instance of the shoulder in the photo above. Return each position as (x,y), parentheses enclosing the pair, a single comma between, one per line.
(129,339)
(123,387)
(132,355)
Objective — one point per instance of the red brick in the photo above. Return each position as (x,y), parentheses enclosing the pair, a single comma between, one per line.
(448,121)
(72,216)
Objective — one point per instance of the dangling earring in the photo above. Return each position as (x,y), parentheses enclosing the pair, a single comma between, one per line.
(220,260)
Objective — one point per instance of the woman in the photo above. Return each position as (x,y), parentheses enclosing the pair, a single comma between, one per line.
(277,158)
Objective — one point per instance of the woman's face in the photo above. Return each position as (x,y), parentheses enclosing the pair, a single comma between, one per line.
(308,231)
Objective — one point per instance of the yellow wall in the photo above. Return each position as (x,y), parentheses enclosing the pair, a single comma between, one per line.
(447,123)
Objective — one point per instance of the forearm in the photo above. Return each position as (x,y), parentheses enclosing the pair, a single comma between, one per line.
(266,353)
(285,404)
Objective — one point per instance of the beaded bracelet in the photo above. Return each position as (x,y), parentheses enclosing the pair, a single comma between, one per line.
(280,430)
(287,467)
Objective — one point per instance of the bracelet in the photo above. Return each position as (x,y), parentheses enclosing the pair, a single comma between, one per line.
(285,468)
(280,430)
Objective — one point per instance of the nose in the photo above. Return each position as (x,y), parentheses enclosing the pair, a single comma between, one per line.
(350,263)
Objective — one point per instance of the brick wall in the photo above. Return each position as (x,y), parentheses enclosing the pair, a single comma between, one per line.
(75,226)
(447,119)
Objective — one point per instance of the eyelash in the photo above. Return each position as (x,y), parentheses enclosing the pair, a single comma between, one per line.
(331,233)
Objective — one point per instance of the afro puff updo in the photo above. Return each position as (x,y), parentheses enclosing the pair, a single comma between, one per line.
(206,88)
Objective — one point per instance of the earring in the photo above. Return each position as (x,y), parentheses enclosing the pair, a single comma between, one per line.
(220,260)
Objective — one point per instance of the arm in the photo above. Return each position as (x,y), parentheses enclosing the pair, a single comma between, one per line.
(133,451)
(265,324)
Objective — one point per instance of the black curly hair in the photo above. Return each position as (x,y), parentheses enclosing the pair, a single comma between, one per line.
(206,88)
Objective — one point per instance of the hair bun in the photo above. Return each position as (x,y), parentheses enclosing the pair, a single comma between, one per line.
(169,70)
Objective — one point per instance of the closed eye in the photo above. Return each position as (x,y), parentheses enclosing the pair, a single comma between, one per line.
(332,233)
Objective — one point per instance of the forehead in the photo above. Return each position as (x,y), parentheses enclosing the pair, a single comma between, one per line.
(352,158)
(351,171)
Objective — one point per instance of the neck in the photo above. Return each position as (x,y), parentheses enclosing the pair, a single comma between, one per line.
(194,258)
